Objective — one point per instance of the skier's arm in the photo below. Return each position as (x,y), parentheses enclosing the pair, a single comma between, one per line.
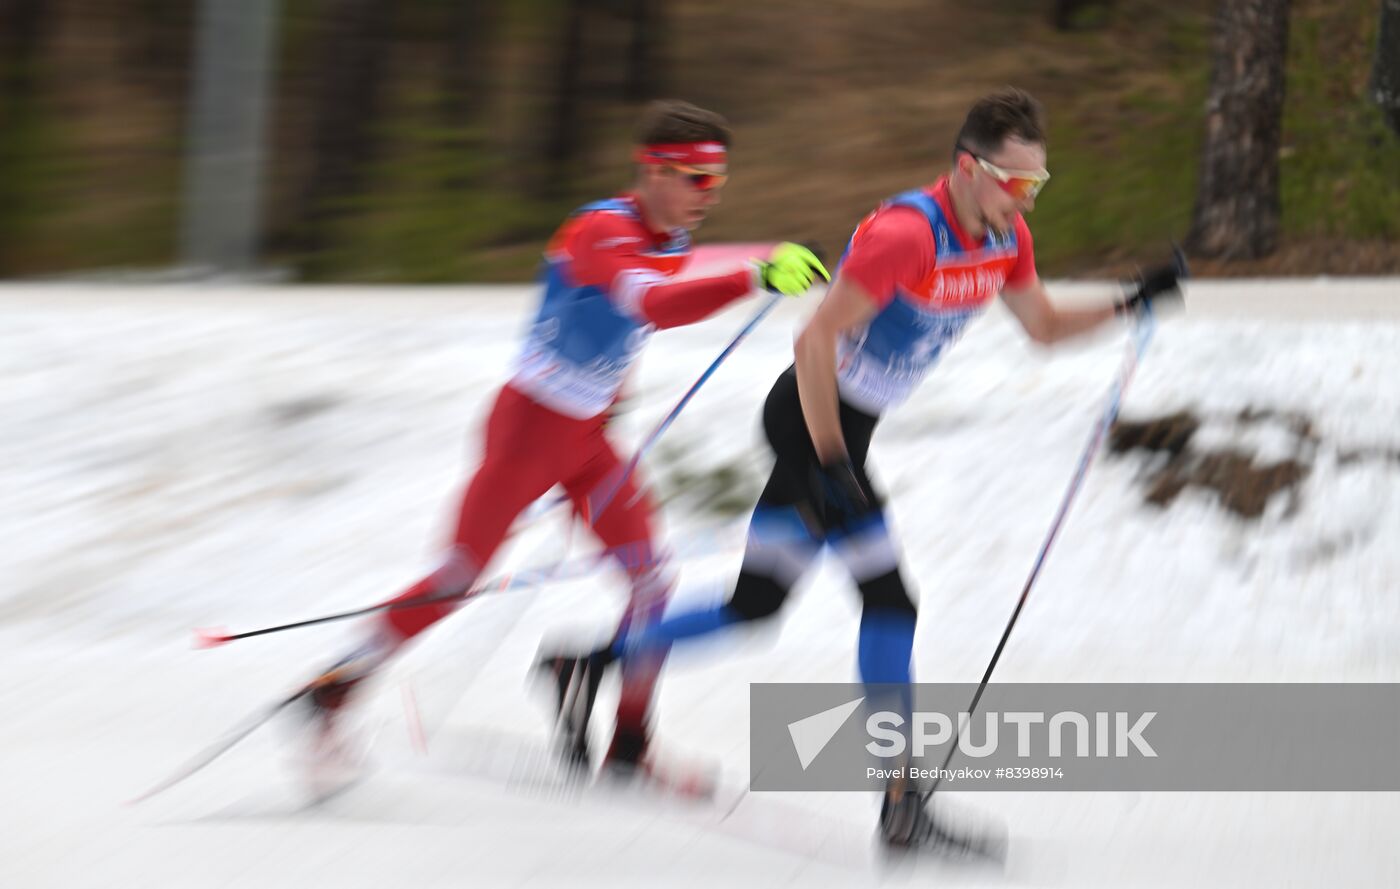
(1047,323)
(789,270)
(607,253)
(1025,296)
(678,303)
(891,248)
(847,305)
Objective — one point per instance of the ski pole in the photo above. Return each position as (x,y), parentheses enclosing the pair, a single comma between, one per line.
(701,543)
(1142,335)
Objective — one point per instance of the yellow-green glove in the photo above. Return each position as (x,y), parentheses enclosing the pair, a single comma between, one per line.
(791,269)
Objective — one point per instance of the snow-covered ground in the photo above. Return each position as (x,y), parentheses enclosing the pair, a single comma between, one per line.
(176,458)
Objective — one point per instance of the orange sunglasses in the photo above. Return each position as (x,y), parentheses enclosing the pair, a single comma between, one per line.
(702,180)
(1020,184)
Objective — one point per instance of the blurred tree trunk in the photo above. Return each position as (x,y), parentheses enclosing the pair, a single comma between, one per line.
(157,38)
(1065,13)
(346,96)
(1237,198)
(467,75)
(562,144)
(22,29)
(644,78)
(1385,72)
(221,225)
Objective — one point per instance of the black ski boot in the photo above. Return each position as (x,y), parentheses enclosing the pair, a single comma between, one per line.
(907,824)
(575,681)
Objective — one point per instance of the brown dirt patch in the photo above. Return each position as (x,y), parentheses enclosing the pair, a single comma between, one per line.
(1244,486)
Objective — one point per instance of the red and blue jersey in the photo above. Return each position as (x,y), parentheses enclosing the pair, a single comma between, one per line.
(930,279)
(607,286)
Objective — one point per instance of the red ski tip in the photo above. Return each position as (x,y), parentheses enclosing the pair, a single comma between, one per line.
(210,638)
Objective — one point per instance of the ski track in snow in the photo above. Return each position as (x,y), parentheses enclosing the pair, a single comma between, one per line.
(175,458)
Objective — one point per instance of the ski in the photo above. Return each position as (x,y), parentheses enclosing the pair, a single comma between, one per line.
(230,740)
(693,795)
(985,845)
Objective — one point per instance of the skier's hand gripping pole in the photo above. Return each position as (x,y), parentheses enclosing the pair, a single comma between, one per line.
(1159,285)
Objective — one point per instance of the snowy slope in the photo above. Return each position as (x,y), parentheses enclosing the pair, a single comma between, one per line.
(179,458)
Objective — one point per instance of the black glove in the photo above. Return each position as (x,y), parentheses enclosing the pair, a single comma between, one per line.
(1159,282)
(842,497)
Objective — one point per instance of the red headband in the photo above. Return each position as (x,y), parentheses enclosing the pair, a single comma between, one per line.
(689,153)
